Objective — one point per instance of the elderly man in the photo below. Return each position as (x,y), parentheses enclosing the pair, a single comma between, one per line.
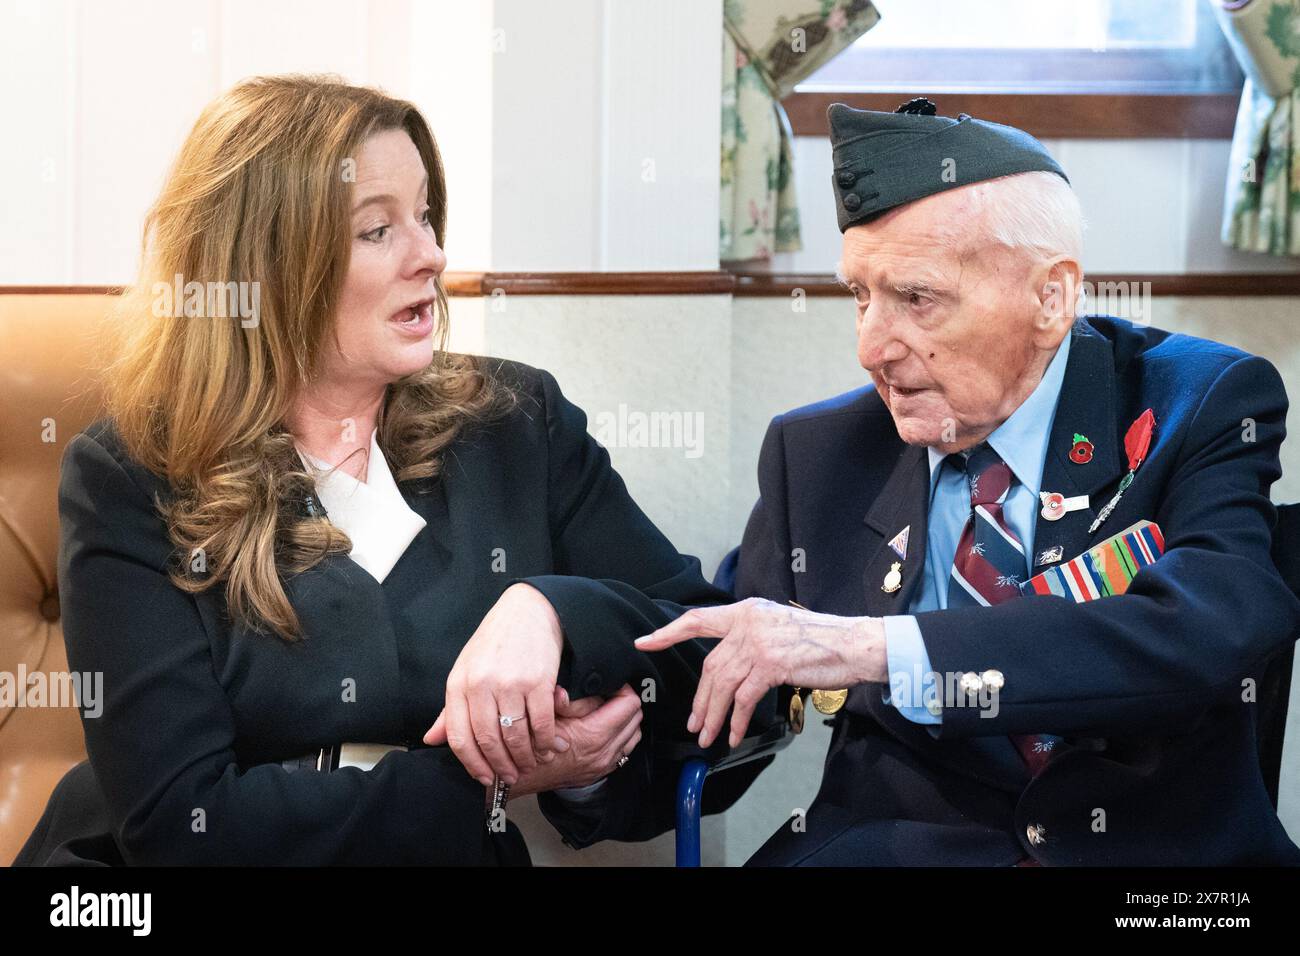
(1001,437)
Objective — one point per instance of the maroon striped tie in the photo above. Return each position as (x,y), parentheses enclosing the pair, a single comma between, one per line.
(990,564)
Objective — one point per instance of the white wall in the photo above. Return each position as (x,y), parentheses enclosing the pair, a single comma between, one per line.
(559,156)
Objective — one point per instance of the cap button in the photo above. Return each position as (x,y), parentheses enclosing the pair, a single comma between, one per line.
(846,178)
(852,201)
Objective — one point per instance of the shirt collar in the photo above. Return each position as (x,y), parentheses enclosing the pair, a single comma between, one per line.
(1021,440)
(372,513)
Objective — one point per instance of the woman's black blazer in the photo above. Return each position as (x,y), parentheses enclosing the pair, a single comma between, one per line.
(198,714)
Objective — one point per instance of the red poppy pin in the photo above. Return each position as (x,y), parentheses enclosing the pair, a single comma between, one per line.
(1081,452)
(1137,442)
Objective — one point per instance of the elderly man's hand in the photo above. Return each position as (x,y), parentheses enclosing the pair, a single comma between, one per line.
(764,645)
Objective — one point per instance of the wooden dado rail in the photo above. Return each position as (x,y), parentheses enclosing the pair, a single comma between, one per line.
(755,284)
(1049,115)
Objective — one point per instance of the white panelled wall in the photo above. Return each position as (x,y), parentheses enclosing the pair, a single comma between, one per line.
(560,157)
(578,135)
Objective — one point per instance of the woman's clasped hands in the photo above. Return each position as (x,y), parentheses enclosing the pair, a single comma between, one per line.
(505,716)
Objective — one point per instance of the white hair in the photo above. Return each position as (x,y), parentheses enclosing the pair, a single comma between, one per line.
(1037,211)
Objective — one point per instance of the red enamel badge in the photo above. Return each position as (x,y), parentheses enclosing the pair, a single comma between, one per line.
(1137,442)
(1138,439)
(1081,453)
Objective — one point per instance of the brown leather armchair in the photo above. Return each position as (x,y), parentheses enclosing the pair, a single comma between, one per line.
(51,351)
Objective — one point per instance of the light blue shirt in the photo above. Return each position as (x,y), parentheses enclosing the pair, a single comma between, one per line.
(1022,442)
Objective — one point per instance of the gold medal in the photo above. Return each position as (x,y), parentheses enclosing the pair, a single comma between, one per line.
(796,702)
(829,701)
(796,712)
(894,579)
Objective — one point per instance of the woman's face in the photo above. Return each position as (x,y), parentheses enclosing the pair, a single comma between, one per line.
(395,260)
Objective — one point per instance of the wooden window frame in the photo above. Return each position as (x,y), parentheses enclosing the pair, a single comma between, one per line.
(1059,95)
(1049,115)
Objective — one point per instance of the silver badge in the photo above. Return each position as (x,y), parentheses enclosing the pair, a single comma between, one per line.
(899,544)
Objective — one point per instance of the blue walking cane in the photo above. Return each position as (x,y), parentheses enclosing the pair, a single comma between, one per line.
(699,764)
(690,784)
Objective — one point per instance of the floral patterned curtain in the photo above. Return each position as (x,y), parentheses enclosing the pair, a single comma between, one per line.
(767,47)
(1262,198)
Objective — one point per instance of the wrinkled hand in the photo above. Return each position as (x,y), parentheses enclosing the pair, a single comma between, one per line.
(507,668)
(591,735)
(765,645)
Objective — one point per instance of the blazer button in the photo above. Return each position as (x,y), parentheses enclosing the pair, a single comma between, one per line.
(852,202)
(1036,833)
(992,680)
(846,178)
(593,683)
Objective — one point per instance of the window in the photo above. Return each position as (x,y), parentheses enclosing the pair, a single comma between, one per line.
(1091,67)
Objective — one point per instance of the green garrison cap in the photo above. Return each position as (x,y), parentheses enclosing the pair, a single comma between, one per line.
(883,160)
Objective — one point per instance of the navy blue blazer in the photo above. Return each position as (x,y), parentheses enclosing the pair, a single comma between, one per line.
(1150,687)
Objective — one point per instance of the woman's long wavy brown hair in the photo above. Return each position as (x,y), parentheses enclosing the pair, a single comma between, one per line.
(259,193)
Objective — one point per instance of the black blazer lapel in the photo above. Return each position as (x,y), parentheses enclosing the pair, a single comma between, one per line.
(1086,407)
(904,503)
(430,503)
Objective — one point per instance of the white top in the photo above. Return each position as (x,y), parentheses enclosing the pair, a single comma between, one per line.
(372,513)
(382,526)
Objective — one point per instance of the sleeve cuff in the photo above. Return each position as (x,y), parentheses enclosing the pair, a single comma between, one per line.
(912,687)
(598,635)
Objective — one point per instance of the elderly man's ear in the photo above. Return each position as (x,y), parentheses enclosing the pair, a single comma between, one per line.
(1058,281)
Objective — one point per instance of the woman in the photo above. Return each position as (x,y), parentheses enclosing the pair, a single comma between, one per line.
(498,572)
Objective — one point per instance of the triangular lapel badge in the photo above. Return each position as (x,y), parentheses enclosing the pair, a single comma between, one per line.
(899,542)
